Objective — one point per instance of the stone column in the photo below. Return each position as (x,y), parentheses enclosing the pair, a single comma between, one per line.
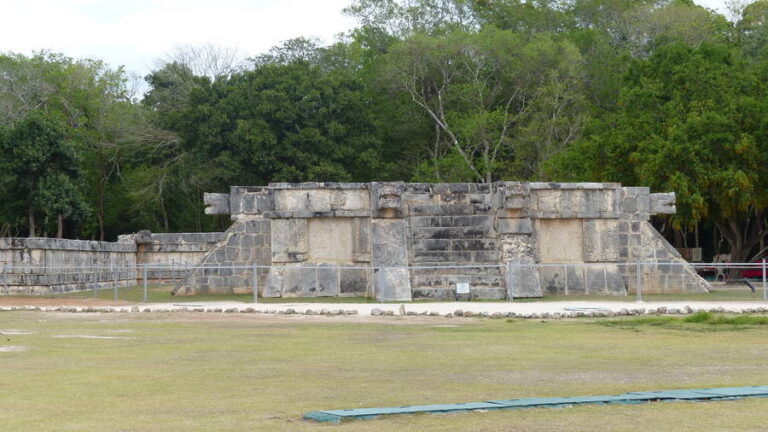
(388,238)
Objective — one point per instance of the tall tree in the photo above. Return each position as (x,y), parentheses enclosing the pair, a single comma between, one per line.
(40,171)
(500,102)
(692,120)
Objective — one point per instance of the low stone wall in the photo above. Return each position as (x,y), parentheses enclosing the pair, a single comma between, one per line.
(40,266)
(44,265)
(245,243)
(168,255)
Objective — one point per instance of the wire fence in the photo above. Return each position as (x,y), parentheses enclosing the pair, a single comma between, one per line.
(172,282)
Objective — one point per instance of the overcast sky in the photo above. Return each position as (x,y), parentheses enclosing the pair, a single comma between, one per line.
(136,32)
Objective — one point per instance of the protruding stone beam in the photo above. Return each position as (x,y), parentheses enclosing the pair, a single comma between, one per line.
(663,203)
(216,203)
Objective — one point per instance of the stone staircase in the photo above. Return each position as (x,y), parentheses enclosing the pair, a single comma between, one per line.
(454,235)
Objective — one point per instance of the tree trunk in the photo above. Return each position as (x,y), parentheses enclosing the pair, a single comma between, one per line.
(743,234)
(60,226)
(31,222)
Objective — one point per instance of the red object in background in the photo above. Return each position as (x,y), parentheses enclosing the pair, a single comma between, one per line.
(756,272)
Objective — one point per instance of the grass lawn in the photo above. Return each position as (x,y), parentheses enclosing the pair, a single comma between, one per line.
(235,372)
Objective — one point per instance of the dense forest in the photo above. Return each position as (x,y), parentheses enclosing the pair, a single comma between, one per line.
(659,93)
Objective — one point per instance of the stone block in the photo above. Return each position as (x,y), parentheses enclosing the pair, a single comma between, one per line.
(433,294)
(350,199)
(457,210)
(469,221)
(327,280)
(354,281)
(330,240)
(514,226)
(490,245)
(559,240)
(424,210)
(441,257)
(392,284)
(563,280)
(289,240)
(485,256)
(431,245)
(361,240)
(601,240)
(605,279)
(216,203)
(662,203)
(316,200)
(309,281)
(296,278)
(274,282)
(389,243)
(523,279)
(629,205)
(489,293)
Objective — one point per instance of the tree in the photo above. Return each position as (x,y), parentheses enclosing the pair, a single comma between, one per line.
(207,60)
(40,171)
(691,120)
(500,103)
(405,18)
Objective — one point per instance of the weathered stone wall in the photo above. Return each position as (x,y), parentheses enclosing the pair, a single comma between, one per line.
(398,241)
(44,265)
(227,268)
(168,254)
(49,266)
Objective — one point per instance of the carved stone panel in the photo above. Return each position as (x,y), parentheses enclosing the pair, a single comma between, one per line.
(559,240)
(601,240)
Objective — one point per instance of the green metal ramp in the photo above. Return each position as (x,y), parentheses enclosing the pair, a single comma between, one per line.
(703,394)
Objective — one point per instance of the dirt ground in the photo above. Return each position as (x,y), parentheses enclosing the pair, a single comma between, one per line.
(58,301)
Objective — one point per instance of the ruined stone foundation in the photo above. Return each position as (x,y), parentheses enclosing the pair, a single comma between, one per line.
(403,241)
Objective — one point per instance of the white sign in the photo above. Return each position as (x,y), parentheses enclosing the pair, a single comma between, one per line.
(462,288)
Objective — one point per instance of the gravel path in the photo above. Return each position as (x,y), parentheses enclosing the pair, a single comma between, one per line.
(561,309)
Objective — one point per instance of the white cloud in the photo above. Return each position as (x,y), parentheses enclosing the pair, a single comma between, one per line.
(136,32)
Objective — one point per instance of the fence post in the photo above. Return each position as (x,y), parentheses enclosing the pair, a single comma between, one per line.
(115,277)
(255,283)
(765,285)
(509,280)
(144,277)
(639,281)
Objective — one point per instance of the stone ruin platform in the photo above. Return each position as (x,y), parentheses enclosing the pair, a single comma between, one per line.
(408,241)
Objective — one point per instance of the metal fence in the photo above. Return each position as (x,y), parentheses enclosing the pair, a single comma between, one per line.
(639,281)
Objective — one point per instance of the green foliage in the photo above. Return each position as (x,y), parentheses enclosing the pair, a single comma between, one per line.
(689,120)
(283,122)
(40,170)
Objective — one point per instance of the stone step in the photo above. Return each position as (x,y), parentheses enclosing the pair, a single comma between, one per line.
(456,271)
(448,257)
(486,281)
(451,221)
(451,233)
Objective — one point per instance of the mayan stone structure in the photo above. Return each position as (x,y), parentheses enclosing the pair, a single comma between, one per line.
(404,241)
(52,266)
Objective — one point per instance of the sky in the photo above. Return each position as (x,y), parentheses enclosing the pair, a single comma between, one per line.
(135,33)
